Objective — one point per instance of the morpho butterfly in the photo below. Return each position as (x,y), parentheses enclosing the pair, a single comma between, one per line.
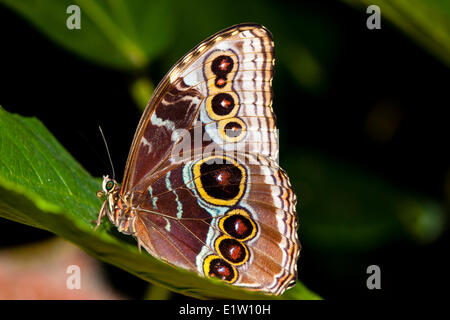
(202,188)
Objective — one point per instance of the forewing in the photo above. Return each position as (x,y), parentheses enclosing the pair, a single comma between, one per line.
(192,218)
(189,97)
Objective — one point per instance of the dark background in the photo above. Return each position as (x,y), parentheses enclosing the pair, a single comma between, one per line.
(365,69)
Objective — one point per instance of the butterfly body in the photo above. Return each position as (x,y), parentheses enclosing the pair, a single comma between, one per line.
(202,189)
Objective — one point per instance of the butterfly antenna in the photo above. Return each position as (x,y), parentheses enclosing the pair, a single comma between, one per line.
(107,150)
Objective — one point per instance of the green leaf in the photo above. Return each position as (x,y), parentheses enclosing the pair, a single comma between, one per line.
(141,91)
(117,33)
(41,185)
(427,22)
(155,292)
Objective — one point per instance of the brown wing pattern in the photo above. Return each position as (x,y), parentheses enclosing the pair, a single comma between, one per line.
(202,179)
(183,97)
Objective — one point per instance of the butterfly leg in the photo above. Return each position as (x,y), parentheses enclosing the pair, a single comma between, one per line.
(102,212)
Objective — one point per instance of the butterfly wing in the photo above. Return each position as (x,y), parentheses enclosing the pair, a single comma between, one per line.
(185,97)
(241,228)
(202,173)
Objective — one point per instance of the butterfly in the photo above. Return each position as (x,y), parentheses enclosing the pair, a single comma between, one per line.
(202,188)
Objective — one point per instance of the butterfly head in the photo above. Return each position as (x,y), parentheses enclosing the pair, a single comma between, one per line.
(109,186)
(110,190)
